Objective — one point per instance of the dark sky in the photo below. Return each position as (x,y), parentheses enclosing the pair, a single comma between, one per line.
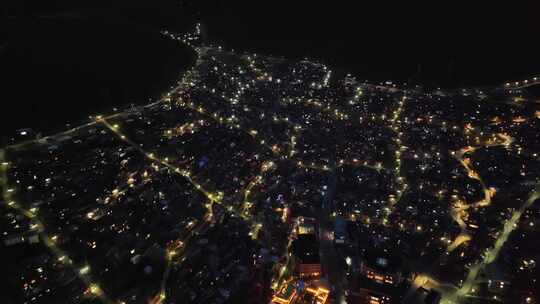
(482,43)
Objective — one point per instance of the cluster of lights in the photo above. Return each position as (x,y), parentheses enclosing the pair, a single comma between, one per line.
(230,121)
(524,83)
(188,38)
(213,197)
(191,128)
(377,166)
(49,241)
(246,205)
(335,112)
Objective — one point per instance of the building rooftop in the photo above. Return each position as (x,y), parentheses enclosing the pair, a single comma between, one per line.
(285,293)
(382,261)
(306,248)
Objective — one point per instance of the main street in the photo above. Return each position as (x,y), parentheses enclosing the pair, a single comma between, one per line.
(331,259)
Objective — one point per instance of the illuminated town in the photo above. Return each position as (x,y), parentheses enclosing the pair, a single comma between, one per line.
(266,180)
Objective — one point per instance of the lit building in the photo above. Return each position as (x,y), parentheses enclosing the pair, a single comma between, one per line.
(319,294)
(285,295)
(340,230)
(381,278)
(305,225)
(368,296)
(305,229)
(305,249)
(382,268)
(306,254)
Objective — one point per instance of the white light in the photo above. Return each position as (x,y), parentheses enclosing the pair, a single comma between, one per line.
(84,270)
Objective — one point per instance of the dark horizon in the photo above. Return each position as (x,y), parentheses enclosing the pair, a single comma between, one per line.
(397,37)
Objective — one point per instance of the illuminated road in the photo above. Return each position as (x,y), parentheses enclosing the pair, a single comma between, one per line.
(213,197)
(491,255)
(400,181)
(459,208)
(451,294)
(522,84)
(80,127)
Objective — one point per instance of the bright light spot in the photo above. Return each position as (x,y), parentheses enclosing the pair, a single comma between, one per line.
(94,289)
(84,270)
